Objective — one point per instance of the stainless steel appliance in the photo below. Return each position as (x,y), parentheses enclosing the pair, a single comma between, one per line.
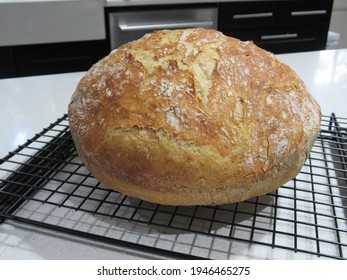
(126,26)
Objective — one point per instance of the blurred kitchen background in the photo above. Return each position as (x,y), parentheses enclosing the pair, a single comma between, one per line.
(55,36)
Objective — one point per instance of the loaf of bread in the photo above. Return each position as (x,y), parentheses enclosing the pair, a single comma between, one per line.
(192,117)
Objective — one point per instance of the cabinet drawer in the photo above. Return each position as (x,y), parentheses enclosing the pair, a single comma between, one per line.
(7,67)
(247,15)
(305,12)
(57,58)
(280,40)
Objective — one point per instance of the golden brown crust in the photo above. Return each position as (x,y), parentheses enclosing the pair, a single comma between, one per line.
(190,117)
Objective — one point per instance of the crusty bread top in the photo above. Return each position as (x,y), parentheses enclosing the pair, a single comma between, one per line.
(200,89)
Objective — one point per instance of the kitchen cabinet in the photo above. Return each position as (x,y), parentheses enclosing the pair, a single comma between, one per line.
(50,58)
(278,26)
(42,37)
(338,22)
(7,67)
(58,58)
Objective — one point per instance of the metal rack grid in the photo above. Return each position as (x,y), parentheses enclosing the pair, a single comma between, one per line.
(44,183)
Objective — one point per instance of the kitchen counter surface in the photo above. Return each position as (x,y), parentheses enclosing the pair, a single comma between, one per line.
(29,104)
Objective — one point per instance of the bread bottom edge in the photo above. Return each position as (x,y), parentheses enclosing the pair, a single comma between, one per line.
(184,196)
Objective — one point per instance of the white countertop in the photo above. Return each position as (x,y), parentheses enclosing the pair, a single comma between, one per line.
(29,104)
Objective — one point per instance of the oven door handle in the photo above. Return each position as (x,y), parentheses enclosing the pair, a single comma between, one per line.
(175,25)
(280,36)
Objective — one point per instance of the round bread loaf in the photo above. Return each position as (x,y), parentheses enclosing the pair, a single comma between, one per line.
(192,117)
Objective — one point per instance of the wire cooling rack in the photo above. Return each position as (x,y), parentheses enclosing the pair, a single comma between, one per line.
(44,183)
